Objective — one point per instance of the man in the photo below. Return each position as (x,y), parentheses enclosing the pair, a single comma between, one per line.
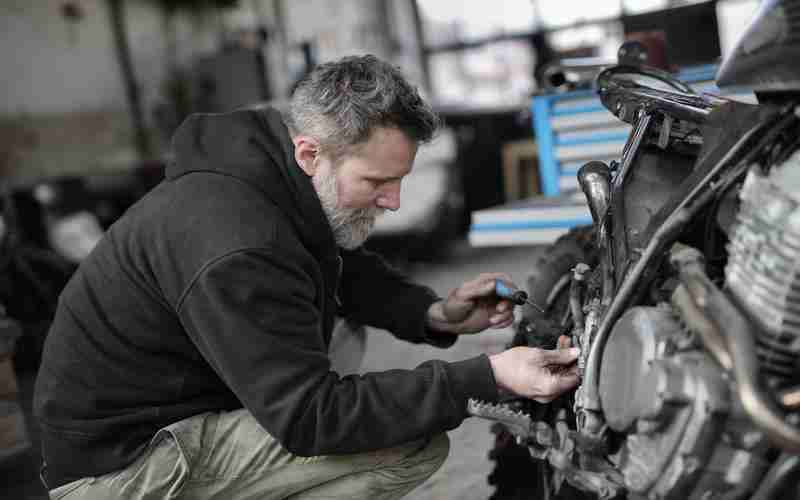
(188,357)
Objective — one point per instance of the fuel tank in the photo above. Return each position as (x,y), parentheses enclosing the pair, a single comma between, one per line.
(765,57)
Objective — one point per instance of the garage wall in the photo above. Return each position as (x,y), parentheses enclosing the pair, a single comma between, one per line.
(55,65)
(63,107)
(52,65)
(339,28)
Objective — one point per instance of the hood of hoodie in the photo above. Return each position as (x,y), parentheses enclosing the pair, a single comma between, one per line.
(255,147)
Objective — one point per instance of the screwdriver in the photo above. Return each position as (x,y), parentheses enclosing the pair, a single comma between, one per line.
(516,296)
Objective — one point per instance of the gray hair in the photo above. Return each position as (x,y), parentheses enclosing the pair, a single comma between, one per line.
(340,103)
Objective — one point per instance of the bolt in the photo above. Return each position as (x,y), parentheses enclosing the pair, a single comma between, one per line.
(692,463)
(702,301)
(751,439)
(544,436)
(636,480)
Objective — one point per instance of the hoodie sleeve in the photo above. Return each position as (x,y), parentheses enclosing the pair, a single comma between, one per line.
(252,315)
(376,294)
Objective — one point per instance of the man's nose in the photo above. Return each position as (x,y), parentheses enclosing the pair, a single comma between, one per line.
(389,198)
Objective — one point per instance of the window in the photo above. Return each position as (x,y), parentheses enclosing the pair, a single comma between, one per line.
(554,13)
(483,63)
(447,22)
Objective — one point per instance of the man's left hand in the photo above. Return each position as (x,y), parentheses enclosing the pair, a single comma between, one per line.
(472,307)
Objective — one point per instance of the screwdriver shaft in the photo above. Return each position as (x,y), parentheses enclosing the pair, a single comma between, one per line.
(530,302)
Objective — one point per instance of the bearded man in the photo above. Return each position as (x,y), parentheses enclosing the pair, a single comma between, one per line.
(189,354)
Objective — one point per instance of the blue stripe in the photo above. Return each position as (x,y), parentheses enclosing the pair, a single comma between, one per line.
(701,72)
(695,77)
(589,108)
(711,88)
(530,224)
(570,205)
(548,169)
(593,138)
(568,95)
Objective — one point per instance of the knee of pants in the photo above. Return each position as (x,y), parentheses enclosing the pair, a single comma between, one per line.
(439,447)
(433,454)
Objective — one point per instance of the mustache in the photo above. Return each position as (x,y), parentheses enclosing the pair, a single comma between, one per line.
(341,217)
(358,214)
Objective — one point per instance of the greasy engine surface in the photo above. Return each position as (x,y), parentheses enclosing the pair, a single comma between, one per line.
(684,433)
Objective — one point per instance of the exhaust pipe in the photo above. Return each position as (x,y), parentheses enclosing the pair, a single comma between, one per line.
(736,337)
(595,181)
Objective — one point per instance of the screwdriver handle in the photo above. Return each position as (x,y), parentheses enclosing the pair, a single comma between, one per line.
(506,291)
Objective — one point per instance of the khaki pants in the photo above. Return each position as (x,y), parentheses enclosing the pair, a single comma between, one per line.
(229,456)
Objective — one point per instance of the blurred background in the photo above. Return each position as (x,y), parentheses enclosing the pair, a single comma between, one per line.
(92,91)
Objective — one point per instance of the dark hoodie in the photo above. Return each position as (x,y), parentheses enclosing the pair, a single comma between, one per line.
(218,290)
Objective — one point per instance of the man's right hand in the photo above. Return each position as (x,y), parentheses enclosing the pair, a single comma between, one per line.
(537,374)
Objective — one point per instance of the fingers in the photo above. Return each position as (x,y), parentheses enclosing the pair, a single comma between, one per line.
(558,387)
(503,306)
(476,299)
(499,322)
(571,369)
(560,356)
(564,342)
(500,316)
(558,383)
(530,372)
(565,381)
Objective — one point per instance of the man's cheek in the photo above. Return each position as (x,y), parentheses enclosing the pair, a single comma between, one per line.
(355,201)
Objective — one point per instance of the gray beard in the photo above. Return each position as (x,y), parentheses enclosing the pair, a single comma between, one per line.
(351,226)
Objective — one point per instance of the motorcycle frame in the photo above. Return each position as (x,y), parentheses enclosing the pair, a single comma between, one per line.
(651,103)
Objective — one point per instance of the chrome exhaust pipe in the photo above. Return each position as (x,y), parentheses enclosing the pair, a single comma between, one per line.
(595,181)
(737,338)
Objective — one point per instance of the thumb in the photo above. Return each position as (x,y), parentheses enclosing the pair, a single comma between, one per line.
(561,356)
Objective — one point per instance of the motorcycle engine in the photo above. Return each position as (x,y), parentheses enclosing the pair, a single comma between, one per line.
(683,433)
(763,271)
(676,427)
(682,430)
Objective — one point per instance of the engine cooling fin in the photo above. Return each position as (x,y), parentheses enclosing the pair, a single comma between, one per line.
(763,270)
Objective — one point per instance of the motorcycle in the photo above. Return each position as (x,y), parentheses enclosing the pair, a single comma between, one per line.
(683,297)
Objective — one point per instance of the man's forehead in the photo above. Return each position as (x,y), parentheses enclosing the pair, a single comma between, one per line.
(394,141)
(387,149)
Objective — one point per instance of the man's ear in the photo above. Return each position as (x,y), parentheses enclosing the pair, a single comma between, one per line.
(306,150)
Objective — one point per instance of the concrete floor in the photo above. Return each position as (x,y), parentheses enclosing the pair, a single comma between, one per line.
(463,475)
